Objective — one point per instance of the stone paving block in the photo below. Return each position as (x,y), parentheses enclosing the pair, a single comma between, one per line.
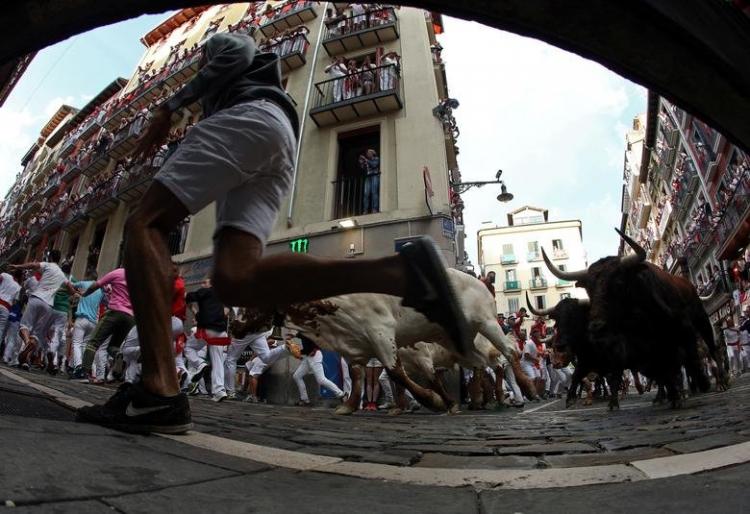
(452,449)
(392,457)
(328,441)
(285,491)
(441,460)
(37,466)
(75,507)
(539,449)
(706,443)
(724,491)
(601,459)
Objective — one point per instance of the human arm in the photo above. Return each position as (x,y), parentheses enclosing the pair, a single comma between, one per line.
(35,266)
(92,288)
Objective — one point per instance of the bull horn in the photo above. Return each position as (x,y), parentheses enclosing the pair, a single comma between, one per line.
(537,312)
(640,252)
(572,276)
(583,301)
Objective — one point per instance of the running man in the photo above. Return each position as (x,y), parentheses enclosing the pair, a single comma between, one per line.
(242,156)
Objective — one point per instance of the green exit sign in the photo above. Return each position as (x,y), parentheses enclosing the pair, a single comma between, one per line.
(301,245)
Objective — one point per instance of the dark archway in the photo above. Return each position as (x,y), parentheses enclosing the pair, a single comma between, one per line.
(693,53)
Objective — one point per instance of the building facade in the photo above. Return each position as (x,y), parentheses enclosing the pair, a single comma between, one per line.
(686,200)
(514,253)
(80,177)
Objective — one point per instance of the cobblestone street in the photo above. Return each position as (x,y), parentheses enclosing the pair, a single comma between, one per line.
(147,473)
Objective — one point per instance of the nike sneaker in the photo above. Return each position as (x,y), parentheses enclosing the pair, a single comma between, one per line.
(135,410)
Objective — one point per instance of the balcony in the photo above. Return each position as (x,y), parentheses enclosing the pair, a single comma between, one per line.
(508,259)
(94,163)
(733,220)
(125,139)
(343,99)
(365,30)
(559,253)
(103,200)
(51,187)
(534,256)
(564,283)
(287,16)
(182,71)
(291,52)
(134,183)
(75,217)
(512,285)
(349,200)
(538,283)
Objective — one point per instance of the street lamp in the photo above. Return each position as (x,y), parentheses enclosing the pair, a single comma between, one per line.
(504,196)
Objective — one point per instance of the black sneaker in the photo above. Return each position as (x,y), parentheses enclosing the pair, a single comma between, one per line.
(133,409)
(429,291)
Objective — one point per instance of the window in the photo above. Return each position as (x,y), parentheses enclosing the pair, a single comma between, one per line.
(536,273)
(513,305)
(562,267)
(357,185)
(510,275)
(533,254)
(557,244)
(533,246)
(177,237)
(540,301)
(563,296)
(508,249)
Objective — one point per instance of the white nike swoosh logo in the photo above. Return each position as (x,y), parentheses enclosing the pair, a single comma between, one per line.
(133,411)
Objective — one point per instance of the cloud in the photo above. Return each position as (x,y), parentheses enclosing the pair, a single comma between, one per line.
(17,133)
(553,121)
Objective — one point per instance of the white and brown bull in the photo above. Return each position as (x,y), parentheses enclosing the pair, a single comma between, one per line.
(366,325)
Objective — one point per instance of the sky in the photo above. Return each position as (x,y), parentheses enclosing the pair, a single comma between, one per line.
(554,123)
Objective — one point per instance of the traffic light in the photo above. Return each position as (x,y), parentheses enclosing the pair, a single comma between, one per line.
(301,245)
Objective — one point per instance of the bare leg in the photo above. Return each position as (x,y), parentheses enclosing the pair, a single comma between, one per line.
(369,386)
(148,269)
(438,386)
(376,383)
(243,278)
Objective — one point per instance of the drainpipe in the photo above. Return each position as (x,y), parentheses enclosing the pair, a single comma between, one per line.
(305,110)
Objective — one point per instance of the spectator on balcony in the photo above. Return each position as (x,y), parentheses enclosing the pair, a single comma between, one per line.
(389,71)
(352,83)
(367,76)
(359,17)
(371,196)
(337,70)
(335,21)
(299,39)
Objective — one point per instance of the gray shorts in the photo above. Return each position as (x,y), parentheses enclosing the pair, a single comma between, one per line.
(242,158)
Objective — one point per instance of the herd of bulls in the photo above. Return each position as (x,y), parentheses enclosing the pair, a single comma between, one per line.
(637,317)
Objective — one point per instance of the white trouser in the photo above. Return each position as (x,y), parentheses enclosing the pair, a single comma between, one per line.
(259,344)
(215,353)
(745,354)
(313,364)
(12,344)
(57,321)
(82,330)
(101,357)
(385,385)
(346,378)
(131,352)
(529,369)
(4,313)
(510,379)
(735,358)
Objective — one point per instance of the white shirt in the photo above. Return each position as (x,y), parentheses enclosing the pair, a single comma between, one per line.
(52,278)
(529,348)
(9,289)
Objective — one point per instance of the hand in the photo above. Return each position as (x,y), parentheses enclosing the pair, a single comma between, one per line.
(156,132)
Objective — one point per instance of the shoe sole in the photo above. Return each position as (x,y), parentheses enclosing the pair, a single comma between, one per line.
(435,267)
(146,429)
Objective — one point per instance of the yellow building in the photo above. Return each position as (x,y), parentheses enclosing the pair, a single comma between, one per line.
(341,118)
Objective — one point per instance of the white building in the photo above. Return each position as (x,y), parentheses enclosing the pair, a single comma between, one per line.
(514,253)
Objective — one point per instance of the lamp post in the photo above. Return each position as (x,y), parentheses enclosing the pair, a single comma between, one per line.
(504,196)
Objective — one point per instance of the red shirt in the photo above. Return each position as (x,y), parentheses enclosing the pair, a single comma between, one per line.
(179,306)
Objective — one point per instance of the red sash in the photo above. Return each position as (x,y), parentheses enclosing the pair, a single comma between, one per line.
(179,344)
(212,341)
(5,304)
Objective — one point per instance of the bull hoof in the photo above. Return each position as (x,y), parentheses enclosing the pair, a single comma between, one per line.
(454,409)
(614,406)
(344,410)
(588,401)
(569,403)
(395,412)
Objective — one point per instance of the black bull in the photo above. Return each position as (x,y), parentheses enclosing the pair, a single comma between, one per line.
(640,318)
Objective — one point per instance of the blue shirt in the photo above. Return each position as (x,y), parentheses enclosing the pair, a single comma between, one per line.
(88,306)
